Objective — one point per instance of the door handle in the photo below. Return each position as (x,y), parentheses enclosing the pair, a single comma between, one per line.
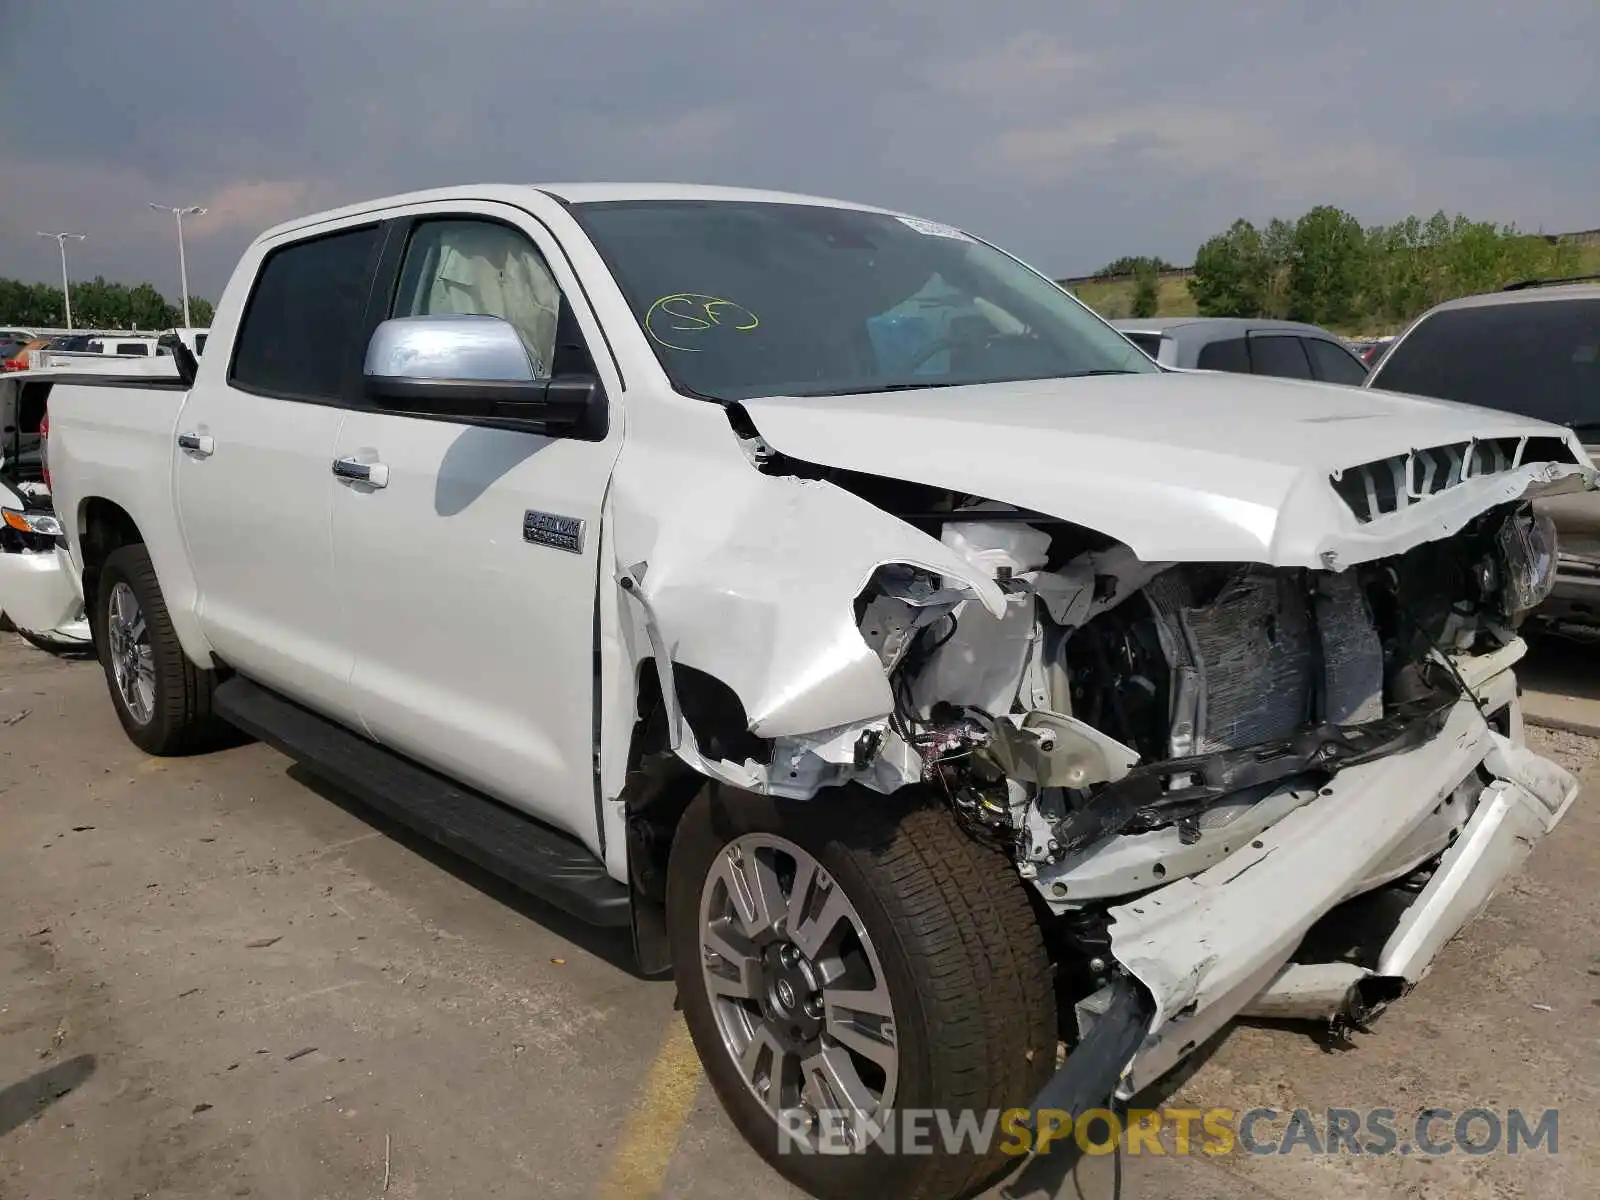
(372,474)
(202,444)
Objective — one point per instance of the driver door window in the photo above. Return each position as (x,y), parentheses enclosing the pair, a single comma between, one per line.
(481,268)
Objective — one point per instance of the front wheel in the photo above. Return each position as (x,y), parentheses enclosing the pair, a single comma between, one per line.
(845,962)
(162,699)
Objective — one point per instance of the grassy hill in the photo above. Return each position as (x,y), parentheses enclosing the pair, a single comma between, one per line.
(1113,298)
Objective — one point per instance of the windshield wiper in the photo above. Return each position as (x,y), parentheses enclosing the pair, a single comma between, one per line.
(890,387)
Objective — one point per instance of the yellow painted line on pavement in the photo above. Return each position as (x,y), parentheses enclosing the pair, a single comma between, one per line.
(639,1163)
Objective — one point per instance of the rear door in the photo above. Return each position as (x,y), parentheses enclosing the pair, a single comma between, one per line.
(474,633)
(255,493)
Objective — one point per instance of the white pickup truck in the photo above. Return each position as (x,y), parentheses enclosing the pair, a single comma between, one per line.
(921,671)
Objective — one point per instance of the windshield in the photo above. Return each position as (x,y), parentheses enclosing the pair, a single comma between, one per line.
(752,299)
(1535,358)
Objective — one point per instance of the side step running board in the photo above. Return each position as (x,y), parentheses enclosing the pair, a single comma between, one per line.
(532,856)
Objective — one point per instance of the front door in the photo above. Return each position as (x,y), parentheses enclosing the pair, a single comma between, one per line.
(255,492)
(474,624)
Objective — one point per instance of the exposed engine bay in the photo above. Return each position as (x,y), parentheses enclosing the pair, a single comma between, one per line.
(1121,697)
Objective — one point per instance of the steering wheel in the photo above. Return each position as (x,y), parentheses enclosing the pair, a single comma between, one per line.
(963,331)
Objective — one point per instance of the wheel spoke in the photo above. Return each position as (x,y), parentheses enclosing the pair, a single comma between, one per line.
(832,1084)
(873,1038)
(739,973)
(137,629)
(765,1060)
(754,891)
(811,935)
(805,874)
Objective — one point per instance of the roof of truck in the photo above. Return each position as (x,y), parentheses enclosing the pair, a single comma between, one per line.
(568,193)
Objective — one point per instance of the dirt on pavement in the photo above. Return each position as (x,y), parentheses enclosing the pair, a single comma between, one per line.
(218,978)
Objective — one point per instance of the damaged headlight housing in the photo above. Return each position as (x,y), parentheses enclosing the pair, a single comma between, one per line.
(42,523)
(1526,548)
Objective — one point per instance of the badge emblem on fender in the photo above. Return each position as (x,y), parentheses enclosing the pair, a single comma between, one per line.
(552,529)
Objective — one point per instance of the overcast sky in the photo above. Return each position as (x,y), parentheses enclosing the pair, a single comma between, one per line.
(1071,133)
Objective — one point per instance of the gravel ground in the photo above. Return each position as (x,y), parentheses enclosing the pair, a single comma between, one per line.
(219,979)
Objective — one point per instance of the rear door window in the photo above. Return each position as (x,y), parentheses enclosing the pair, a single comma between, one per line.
(303,318)
(1279,354)
(1230,354)
(1537,358)
(1332,363)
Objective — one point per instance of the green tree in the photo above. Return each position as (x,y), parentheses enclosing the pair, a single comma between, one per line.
(1231,273)
(1327,266)
(96,304)
(1131,264)
(1277,245)
(1147,289)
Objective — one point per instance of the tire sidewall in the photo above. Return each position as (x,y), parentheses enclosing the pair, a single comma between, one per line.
(131,565)
(708,826)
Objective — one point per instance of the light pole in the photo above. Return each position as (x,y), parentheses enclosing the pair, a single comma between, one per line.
(179,214)
(61,244)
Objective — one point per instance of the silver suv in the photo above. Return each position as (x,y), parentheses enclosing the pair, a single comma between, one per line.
(1246,346)
(1534,350)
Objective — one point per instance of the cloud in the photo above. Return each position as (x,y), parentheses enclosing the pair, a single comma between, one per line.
(251,206)
(1071,134)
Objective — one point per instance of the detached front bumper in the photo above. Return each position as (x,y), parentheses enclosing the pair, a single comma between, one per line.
(1219,944)
(38,594)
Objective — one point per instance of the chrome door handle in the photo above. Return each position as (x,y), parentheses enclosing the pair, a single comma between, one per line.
(372,474)
(202,444)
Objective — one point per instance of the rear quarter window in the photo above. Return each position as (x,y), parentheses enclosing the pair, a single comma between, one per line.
(1150,343)
(1230,354)
(1332,363)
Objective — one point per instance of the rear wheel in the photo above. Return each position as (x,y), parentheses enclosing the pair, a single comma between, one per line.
(162,699)
(844,961)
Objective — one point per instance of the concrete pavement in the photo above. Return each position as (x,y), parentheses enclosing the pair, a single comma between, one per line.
(219,979)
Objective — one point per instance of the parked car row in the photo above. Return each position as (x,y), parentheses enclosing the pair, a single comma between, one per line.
(19,353)
(795,583)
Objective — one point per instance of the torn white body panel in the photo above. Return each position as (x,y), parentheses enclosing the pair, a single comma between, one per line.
(752,578)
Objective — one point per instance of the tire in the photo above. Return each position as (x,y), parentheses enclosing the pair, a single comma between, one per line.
(170,712)
(949,937)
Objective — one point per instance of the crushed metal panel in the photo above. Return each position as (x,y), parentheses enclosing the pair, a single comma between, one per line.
(753,578)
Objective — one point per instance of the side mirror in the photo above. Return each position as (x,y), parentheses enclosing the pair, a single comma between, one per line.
(475,370)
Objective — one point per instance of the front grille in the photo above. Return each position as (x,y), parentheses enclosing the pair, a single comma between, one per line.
(1376,489)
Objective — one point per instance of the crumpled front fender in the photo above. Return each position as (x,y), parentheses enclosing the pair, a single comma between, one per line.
(752,578)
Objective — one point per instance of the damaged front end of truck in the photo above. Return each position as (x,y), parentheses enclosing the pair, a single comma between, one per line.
(1193,763)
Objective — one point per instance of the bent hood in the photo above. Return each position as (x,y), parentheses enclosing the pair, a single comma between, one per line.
(1179,466)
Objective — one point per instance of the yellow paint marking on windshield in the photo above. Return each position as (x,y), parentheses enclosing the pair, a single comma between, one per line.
(683,316)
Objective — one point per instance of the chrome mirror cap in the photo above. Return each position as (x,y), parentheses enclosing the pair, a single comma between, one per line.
(482,349)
